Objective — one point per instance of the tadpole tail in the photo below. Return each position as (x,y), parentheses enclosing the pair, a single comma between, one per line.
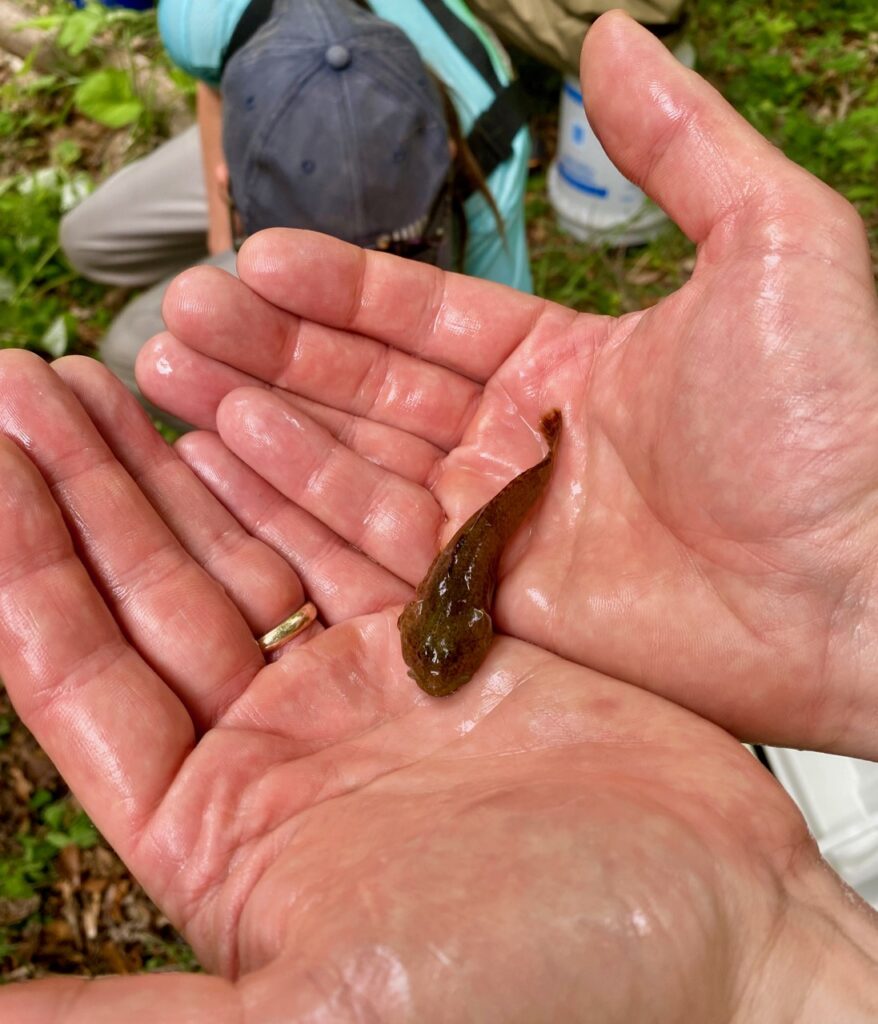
(550,425)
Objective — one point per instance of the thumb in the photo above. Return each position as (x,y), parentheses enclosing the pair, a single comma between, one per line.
(672,134)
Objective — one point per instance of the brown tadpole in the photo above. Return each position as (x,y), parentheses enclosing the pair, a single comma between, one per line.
(446,630)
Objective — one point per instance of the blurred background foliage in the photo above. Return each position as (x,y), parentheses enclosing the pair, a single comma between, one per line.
(802,73)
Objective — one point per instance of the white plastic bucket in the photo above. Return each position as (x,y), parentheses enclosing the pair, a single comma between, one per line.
(592,200)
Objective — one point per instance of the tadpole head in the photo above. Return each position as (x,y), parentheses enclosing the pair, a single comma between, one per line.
(445,653)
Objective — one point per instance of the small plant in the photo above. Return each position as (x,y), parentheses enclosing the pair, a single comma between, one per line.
(22,876)
(65,825)
(55,133)
(122,94)
(44,303)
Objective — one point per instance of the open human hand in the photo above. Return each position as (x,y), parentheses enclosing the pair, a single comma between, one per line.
(547,844)
(710,529)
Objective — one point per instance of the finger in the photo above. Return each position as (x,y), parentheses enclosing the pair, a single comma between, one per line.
(341,581)
(179,618)
(463,323)
(177,378)
(219,316)
(179,999)
(394,450)
(392,520)
(181,380)
(669,131)
(116,733)
(262,585)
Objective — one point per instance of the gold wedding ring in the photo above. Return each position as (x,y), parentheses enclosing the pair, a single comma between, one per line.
(297,623)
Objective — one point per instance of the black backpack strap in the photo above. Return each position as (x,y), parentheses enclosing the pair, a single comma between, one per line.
(255,15)
(494,130)
(465,40)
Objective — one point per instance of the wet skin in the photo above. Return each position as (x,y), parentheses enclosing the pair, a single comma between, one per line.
(446,630)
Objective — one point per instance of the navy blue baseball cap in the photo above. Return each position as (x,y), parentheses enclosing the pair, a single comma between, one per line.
(332,122)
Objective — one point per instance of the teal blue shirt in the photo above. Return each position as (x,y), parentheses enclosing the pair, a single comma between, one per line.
(196,33)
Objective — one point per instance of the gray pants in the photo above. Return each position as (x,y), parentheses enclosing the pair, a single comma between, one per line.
(139,229)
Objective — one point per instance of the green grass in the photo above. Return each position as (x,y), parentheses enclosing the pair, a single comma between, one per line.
(44,304)
(61,132)
(803,73)
(31,866)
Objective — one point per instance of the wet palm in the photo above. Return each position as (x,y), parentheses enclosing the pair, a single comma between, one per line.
(710,526)
(334,843)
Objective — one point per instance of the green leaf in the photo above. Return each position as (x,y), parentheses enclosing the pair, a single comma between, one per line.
(58,839)
(82,832)
(45,179)
(108,97)
(860,192)
(13,884)
(41,83)
(48,21)
(74,191)
(66,152)
(54,814)
(79,29)
(36,855)
(40,798)
(55,339)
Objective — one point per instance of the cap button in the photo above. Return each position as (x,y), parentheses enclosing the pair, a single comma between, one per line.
(338,57)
